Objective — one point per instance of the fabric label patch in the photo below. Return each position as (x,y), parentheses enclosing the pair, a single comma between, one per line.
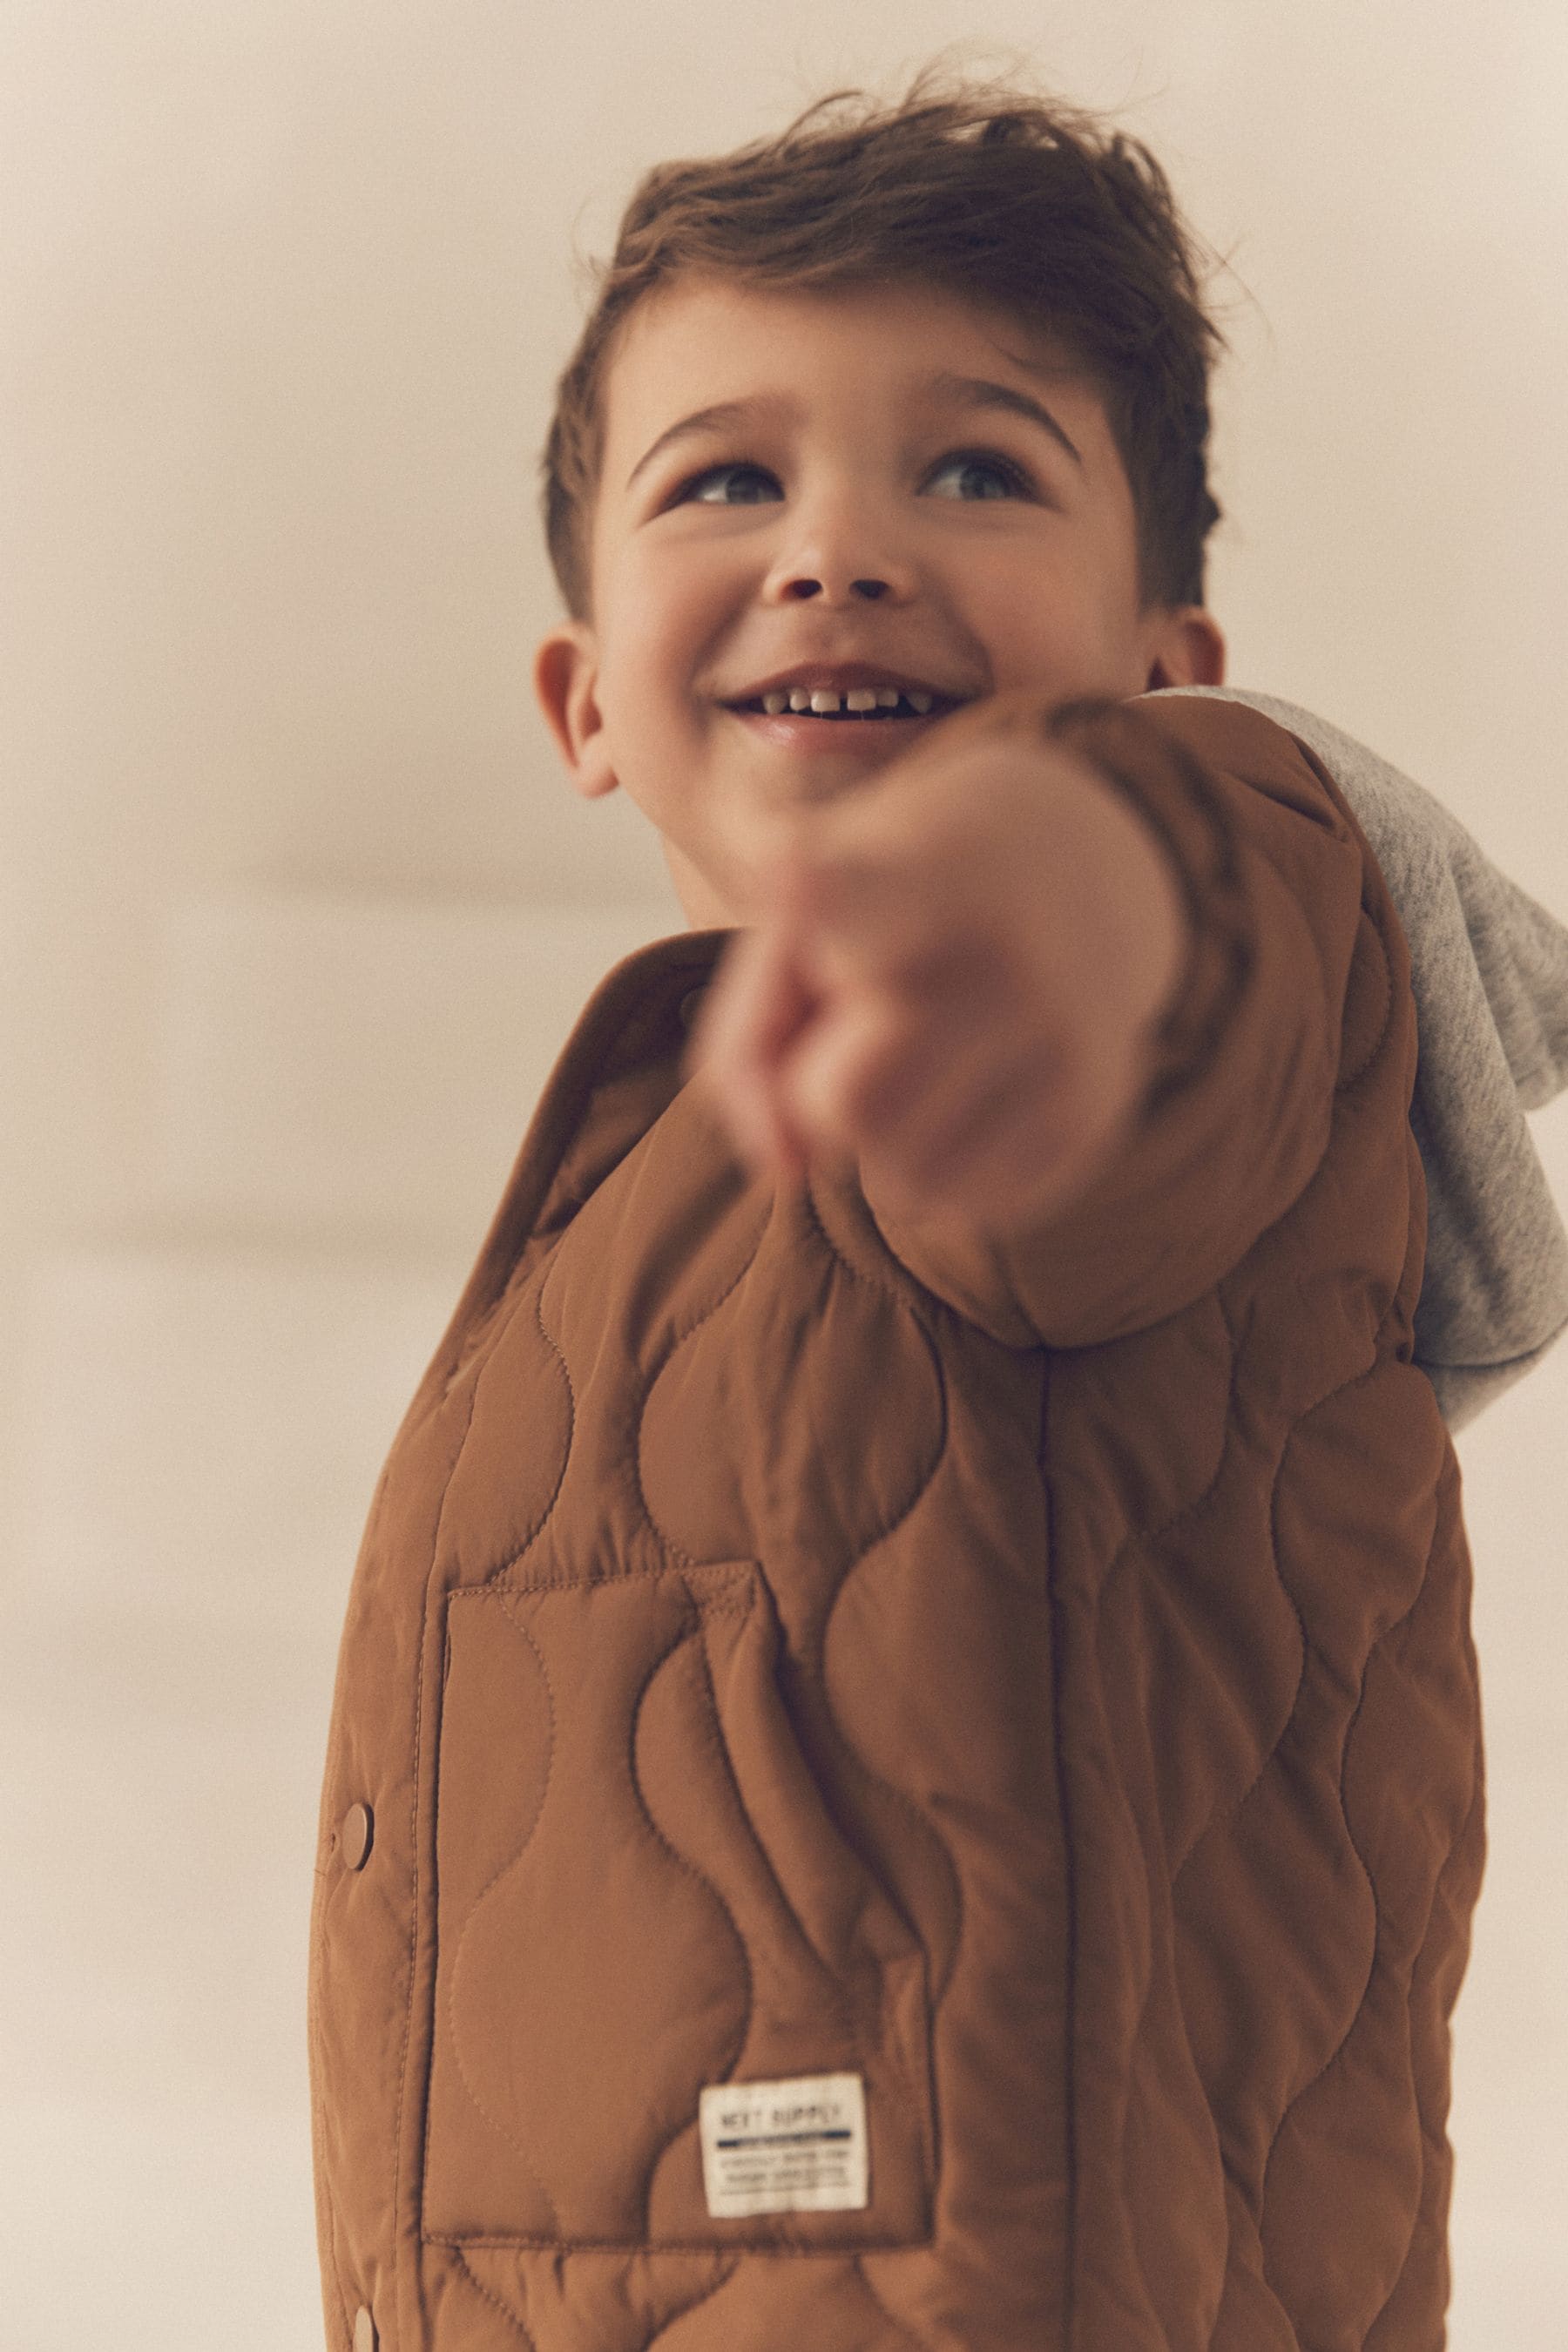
(797,2146)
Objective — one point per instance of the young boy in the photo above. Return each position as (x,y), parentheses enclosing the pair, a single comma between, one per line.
(906,1770)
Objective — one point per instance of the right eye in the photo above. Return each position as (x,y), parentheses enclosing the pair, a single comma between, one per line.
(717,473)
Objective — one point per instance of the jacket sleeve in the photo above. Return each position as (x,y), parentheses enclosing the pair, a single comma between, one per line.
(1236,1117)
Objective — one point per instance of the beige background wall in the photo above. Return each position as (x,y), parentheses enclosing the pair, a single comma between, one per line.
(296,909)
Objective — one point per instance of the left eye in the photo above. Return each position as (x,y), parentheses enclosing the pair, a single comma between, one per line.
(982,461)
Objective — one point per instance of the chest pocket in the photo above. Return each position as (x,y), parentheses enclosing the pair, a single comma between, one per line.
(640,1896)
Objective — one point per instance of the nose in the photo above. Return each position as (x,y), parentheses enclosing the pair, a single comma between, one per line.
(828,558)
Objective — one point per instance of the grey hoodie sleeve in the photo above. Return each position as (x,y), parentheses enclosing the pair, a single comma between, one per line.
(1489,975)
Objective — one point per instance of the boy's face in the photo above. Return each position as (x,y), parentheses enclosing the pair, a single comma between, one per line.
(856,513)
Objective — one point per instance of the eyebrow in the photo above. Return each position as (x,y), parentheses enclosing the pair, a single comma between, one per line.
(953,391)
(980,392)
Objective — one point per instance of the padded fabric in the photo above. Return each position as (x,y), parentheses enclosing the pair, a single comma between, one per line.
(1031,1673)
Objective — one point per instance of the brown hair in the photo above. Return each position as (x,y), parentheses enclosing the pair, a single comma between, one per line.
(1021,203)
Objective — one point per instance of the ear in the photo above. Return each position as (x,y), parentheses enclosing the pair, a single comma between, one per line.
(1188,649)
(566,672)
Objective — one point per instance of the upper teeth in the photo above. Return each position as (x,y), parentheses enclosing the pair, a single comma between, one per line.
(822,698)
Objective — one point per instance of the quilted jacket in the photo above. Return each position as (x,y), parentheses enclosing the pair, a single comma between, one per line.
(899,1790)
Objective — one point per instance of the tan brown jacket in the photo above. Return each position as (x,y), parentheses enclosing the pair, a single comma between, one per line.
(894,1792)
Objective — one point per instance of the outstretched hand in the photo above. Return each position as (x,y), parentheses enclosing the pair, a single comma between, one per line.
(955,977)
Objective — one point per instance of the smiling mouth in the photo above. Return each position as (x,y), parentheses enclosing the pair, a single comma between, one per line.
(919,705)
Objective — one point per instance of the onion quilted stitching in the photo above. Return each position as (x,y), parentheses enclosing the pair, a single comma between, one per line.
(574,2045)
(923,1474)
(830,1993)
(496,2121)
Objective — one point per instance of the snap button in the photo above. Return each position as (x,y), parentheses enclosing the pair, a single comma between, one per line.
(353,1842)
(364,2330)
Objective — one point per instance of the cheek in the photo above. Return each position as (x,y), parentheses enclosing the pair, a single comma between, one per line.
(671,612)
(1040,618)
(639,671)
